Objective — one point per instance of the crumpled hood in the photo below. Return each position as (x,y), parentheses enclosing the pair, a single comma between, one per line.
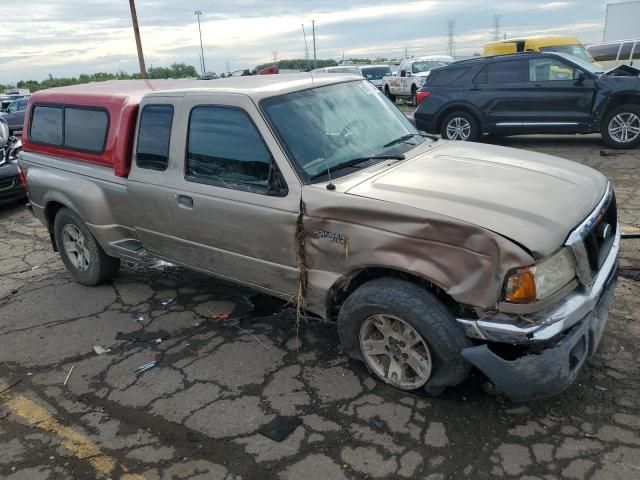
(531,198)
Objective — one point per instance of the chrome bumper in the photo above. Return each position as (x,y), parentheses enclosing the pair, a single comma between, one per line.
(548,323)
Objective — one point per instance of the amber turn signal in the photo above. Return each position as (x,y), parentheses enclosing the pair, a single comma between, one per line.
(521,287)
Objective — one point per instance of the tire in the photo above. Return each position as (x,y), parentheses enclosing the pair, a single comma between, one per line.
(420,310)
(93,266)
(388,94)
(414,98)
(464,119)
(629,115)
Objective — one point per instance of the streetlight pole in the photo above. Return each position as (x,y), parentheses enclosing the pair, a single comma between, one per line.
(198,13)
(136,33)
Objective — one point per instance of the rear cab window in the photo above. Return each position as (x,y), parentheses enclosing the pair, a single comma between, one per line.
(154,137)
(72,127)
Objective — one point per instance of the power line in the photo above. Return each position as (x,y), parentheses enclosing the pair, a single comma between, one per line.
(451,25)
(496,27)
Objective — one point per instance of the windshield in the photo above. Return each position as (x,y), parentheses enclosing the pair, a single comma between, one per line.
(375,73)
(576,50)
(325,127)
(589,67)
(426,66)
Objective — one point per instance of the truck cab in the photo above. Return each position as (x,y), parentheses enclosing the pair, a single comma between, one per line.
(411,75)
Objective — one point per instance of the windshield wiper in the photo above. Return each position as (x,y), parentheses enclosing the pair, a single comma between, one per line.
(355,161)
(409,136)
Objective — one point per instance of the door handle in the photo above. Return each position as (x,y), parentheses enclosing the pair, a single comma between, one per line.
(185,201)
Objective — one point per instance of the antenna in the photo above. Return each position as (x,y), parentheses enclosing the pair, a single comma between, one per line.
(306,50)
(451,24)
(313,28)
(496,27)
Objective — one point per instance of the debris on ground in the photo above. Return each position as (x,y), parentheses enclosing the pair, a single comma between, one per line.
(100,350)
(280,428)
(9,387)
(167,301)
(68,375)
(142,337)
(136,317)
(607,153)
(145,367)
(3,413)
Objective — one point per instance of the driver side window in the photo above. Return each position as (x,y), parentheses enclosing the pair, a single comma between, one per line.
(549,69)
(225,149)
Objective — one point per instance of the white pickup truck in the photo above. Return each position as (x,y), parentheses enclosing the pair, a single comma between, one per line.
(411,75)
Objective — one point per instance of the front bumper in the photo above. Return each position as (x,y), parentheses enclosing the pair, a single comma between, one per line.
(557,340)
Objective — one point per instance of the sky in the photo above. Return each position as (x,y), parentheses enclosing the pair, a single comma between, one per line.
(69,37)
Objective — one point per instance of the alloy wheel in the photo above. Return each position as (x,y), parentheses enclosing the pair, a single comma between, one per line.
(624,127)
(75,247)
(395,351)
(458,128)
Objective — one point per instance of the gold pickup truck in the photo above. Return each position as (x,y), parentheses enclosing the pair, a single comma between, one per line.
(431,256)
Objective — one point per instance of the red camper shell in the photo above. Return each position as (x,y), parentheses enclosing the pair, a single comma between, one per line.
(118,98)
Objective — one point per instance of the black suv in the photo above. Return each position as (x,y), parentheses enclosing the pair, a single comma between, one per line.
(531,93)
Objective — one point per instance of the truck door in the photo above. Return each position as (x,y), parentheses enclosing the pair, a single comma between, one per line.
(235,200)
(150,176)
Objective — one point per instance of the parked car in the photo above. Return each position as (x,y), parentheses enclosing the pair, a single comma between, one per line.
(14,114)
(11,185)
(411,75)
(614,54)
(540,43)
(375,73)
(429,255)
(531,93)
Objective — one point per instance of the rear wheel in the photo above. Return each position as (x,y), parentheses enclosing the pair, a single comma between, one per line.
(621,127)
(388,94)
(460,125)
(404,335)
(80,252)
(414,96)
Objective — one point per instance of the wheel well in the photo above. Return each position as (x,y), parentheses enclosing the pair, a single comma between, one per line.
(623,99)
(456,108)
(50,212)
(348,284)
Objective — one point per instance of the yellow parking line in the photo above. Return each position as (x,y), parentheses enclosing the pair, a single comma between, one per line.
(76,443)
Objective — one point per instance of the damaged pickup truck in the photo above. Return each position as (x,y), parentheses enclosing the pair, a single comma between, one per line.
(431,256)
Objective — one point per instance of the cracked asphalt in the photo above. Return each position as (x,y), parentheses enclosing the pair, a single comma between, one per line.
(196,415)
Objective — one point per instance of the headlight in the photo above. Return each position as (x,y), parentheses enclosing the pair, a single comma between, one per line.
(526,285)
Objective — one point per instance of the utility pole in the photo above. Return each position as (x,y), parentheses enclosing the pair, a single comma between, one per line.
(496,27)
(406,52)
(197,13)
(313,28)
(451,24)
(136,33)
(275,56)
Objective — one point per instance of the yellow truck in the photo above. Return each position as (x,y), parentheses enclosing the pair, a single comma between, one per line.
(541,43)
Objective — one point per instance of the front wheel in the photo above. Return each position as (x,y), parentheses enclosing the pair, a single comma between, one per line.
(404,335)
(80,252)
(460,125)
(621,127)
(388,95)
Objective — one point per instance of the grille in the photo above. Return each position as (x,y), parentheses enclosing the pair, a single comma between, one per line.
(600,237)
(7,182)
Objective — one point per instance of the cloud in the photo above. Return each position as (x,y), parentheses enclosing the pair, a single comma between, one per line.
(69,37)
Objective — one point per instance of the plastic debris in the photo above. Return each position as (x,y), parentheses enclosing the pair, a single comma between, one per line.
(221,316)
(3,413)
(145,367)
(141,336)
(136,317)
(68,375)
(9,387)
(280,428)
(167,301)
(100,350)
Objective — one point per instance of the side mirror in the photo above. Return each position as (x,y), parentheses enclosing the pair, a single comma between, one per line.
(403,73)
(578,76)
